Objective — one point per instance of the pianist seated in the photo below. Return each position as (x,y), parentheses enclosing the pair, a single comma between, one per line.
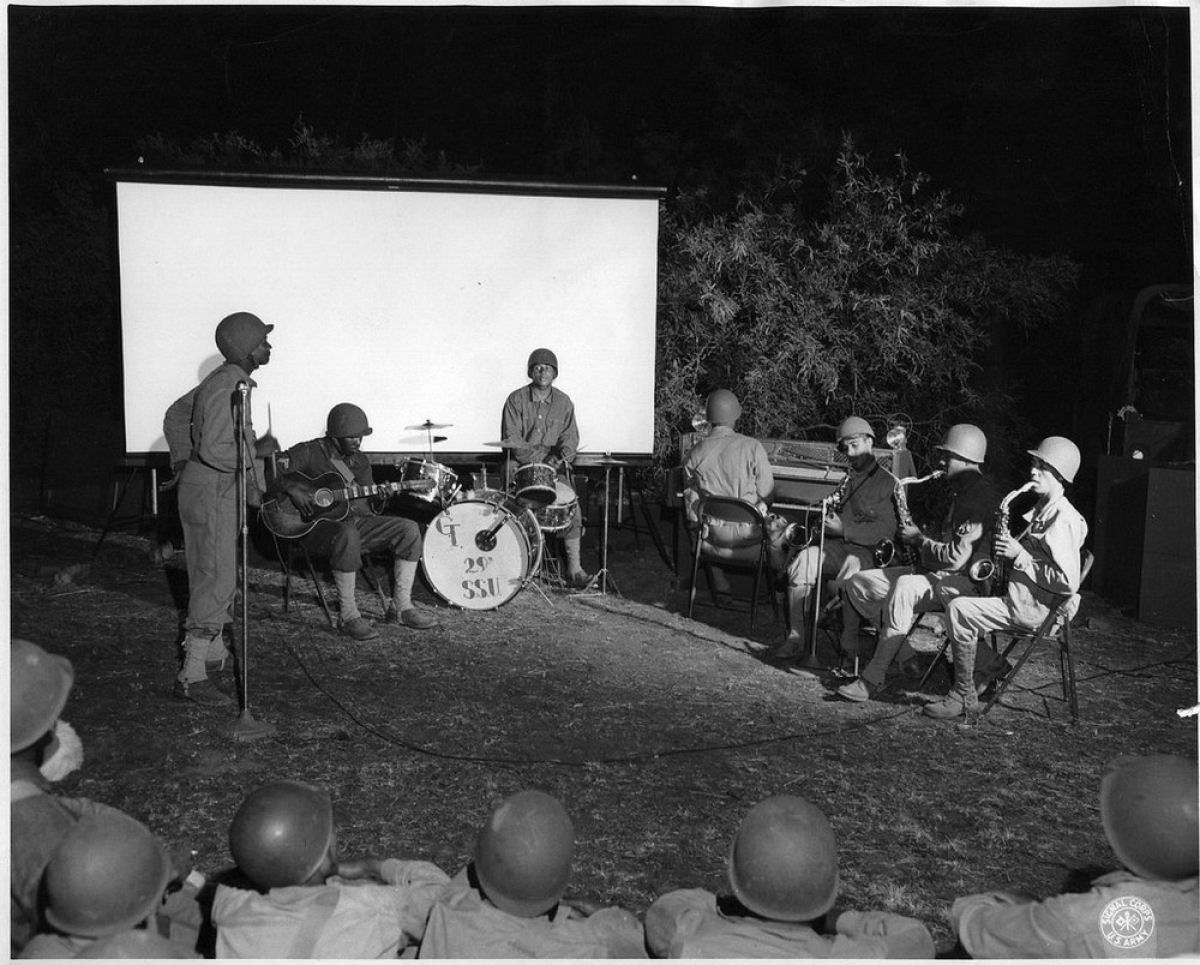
(859,513)
(726,463)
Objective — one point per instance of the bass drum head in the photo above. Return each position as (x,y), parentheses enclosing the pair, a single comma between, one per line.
(462,573)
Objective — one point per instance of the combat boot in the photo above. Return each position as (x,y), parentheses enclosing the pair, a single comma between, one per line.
(962,700)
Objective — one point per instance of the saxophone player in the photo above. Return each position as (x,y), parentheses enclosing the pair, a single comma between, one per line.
(866,514)
(1044,562)
(891,598)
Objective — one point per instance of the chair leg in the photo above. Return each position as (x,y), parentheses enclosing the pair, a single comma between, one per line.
(941,653)
(1008,678)
(368,572)
(312,572)
(1070,691)
(754,593)
(695,574)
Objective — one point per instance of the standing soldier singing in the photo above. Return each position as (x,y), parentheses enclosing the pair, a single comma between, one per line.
(208,488)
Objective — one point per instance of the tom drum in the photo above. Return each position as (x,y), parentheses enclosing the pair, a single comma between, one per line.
(445,480)
(558,515)
(536,482)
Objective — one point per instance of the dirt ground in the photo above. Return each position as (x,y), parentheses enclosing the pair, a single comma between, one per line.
(658,733)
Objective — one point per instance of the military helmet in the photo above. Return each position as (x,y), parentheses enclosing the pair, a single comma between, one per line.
(1059,453)
(40,683)
(965,441)
(281,833)
(107,874)
(1148,806)
(240,334)
(541,356)
(722,408)
(783,861)
(854,426)
(346,420)
(523,854)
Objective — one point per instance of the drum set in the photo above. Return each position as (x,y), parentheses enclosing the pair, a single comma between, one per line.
(484,545)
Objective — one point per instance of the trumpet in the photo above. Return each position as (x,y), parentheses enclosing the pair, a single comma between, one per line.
(886,549)
(987,567)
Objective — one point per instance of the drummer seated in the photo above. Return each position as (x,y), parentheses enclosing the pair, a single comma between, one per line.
(343,532)
(539,419)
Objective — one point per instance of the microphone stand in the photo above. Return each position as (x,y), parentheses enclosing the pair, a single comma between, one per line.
(245,727)
(810,661)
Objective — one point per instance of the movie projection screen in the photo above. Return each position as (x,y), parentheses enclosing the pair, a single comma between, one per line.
(415,304)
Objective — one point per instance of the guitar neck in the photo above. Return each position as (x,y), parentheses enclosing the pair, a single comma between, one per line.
(374,489)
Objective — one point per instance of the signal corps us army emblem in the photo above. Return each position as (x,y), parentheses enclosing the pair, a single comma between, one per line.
(1127,923)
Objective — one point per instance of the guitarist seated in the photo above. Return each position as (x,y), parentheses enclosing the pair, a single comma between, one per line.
(343,531)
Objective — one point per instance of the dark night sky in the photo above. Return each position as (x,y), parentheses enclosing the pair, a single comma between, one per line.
(1058,129)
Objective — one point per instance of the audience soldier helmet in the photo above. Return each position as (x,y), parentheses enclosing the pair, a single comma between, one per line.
(282,833)
(40,684)
(346,421)
(107,874)
(1061,454)
(542,356)
(1148,806)
(240,334)
(854,426)
(783,860)
(722,408)
(965,441)
(523,854)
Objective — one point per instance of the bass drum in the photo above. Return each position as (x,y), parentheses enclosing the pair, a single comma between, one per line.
(480,553)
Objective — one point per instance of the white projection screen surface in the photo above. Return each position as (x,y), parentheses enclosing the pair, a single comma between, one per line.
(415,304)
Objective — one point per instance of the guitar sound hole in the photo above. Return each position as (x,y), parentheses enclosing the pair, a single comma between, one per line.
(323,498)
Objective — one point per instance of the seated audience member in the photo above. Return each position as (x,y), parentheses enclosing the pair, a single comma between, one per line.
(310,902)
(1149,909)
(783,870)
(108,875)
(726,463)
(1043,564)
(339,452)
(508,903)
(43,749)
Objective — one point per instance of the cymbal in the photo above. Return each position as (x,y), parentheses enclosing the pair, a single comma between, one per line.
(427,425)
(590,460)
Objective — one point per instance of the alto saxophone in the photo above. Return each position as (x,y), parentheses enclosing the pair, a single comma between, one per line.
(885,549)
(987,567)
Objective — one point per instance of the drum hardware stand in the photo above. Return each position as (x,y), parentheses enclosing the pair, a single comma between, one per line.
(245,727)
(602,578)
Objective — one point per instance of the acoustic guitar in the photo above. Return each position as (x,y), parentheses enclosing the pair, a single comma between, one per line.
(331,500)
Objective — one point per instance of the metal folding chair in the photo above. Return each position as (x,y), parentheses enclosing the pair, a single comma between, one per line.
(714,545)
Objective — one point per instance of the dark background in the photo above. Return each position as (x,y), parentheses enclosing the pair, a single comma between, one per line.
(1058,131)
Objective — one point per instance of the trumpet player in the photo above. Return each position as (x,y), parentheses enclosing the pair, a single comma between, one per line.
(865,513)
(892,597)
(1044,562)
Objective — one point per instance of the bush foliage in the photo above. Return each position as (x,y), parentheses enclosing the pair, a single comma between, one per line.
(877,307)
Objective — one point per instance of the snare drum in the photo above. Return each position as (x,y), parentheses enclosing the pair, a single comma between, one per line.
(558,515)
(445,480)
(536,483)
(480,553)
